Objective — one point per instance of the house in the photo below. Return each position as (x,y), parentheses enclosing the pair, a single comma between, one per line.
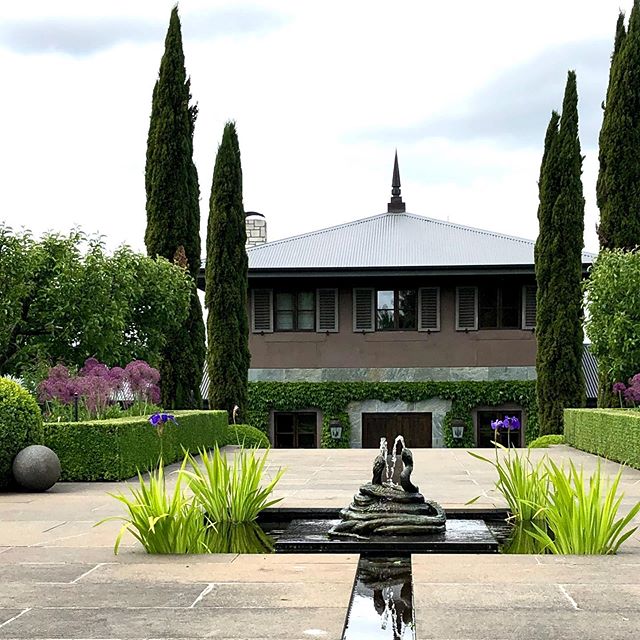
(392,297)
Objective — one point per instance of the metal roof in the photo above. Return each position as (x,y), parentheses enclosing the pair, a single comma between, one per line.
(395,240)
(590,370)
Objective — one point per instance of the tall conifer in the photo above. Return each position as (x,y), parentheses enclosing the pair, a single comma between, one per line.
(226,280)
(173,212)
(618,187)
(558,256)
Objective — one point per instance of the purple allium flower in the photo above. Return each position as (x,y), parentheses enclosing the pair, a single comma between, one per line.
(619,387)
(93,367)
(143,380)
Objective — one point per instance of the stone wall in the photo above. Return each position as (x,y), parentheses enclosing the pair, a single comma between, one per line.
(391,374)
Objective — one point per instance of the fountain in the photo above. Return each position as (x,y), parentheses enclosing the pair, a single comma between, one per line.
(383,507)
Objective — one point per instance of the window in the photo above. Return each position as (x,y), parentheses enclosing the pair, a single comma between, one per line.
(295,431)
(295,311)
(499,307)
(486,435)
(396,309)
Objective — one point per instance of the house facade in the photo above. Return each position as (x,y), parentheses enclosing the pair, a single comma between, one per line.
(395,297)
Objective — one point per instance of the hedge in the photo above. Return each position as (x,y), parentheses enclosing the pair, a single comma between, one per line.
(115,449)
(610,433)
(20,426)
(332,398)
(247,436)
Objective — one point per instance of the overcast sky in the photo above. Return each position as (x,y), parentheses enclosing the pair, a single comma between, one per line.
(322,94)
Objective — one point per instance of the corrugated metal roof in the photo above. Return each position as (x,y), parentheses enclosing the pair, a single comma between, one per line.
(590,370)
(396,240)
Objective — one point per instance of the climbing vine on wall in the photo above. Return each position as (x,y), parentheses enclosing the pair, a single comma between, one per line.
(332,398)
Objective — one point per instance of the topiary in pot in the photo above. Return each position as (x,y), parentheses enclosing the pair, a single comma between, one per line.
(20,426)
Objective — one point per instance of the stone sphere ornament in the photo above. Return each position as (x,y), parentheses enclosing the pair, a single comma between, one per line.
(36,468)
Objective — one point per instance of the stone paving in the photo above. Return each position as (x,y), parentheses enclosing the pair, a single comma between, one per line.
(60,579)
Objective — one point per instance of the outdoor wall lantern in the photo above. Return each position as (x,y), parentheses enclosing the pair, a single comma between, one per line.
(336,429)
(457,426)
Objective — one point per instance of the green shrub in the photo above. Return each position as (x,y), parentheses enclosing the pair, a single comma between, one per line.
(545,441)
(231,492)
(20,425)
(610,433)
(116,449)
(162,522)
(247,436)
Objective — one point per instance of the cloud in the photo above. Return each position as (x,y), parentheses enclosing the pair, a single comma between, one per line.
(88,35)
(513,109)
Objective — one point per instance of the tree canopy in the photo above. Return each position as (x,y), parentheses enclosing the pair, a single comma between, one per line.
(558,261)
(66,299)
(226,280)
(618,186)
(173,213)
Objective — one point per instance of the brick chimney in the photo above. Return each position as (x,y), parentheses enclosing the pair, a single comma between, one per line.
(256,226)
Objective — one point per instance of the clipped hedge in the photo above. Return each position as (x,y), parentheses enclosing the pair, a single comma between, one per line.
(247,436)
(115,449)
(20,426)
(543,442)
(332,398)
(610,433)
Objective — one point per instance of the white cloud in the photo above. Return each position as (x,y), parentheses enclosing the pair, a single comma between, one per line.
(73,129)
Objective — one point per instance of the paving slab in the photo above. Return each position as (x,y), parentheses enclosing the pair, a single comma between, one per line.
(274,595)
(174,622)
(518,624)
(81,594)
(271,570)
(60,579)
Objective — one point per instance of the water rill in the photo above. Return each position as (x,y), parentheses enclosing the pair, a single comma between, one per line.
(384,508)
(381,605)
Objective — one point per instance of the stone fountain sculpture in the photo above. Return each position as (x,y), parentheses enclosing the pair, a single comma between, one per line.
(383,507)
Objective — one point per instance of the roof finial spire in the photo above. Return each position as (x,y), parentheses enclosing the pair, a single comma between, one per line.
(396,205)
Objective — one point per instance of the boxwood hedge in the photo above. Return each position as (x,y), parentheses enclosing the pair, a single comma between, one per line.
(610,433)
(20,426)
(115,449)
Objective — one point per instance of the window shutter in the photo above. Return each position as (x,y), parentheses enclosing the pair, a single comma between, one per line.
(262,310)
(429,309)
(363,310)
(529,306)
(327,310)
(467,308)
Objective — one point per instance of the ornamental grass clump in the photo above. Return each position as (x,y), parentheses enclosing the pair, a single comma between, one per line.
(523,484)
(162,522)
(231,492)
(582,518)
(557,509)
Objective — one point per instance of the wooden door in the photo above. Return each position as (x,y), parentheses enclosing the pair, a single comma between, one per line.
(415,427)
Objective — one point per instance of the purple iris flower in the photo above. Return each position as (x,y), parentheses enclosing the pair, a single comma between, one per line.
(160,418)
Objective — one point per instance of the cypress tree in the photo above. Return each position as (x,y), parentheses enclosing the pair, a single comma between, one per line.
(558,257)
(173,213)
(226,280)
(618,186)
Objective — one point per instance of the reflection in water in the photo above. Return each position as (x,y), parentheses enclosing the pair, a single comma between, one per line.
(381,604)
(243,537)
(521,541)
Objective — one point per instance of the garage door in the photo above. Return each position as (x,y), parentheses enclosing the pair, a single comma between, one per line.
(415,427)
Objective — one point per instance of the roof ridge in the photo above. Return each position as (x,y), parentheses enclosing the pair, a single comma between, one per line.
(309,234)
